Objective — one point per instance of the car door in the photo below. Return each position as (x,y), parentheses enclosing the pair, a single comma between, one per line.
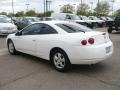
(27,41)
(45,40)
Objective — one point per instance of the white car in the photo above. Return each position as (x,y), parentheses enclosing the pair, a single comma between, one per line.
(6,27)
(68,17)
(63,43)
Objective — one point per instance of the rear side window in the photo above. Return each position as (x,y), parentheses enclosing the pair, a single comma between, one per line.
(73,28)
(46,29)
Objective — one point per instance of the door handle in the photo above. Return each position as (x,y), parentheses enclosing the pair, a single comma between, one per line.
(33,40)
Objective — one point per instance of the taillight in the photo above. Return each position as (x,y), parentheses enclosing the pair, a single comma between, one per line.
(84,42)
(91,40)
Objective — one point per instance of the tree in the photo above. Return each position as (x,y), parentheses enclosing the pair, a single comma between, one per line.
(67,9)
(3,13)
(47,14)
(10,14)
(19,14)
(31,13)
(103,8)
(82,9)
(117,13)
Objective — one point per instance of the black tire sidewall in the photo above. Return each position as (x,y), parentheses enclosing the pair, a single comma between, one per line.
(14,51)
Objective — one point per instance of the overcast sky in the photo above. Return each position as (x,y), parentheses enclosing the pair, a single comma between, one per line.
(20,5)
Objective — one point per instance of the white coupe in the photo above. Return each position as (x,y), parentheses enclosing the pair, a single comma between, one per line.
(62,42)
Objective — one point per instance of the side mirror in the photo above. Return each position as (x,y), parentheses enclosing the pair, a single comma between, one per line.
(18,33)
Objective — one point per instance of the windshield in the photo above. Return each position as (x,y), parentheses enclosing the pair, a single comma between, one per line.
(109,18)
(95,18)
(73,27)
(74,17)
(85,18)
(32,19)
(3,20)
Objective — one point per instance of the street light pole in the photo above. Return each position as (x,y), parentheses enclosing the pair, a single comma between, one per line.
(13,8)
(91,6)
(81,5)
(44,8)
(46,5)
(112,6)
(98,6)
(60,7)
(74,8)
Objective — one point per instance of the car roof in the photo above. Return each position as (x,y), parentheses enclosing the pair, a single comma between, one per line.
(52,22)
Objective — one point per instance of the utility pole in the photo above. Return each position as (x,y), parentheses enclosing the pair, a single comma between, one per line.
(13,8)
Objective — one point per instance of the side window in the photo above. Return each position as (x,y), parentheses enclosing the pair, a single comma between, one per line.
(31,30)
(46,29)
(68,17)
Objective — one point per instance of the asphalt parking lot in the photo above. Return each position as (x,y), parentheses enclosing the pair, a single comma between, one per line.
(25,72)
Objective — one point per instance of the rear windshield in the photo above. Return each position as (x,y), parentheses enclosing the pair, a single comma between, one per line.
(73,28)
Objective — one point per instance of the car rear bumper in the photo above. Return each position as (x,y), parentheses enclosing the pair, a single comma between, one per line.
(90,54)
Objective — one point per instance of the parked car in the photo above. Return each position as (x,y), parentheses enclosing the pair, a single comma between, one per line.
(47,19)
(6,27)
(63,43)
(100,23)
(115,25)
(109,20)
(106,19)
(90,23)
(22,22)
(68,17)
(7,18)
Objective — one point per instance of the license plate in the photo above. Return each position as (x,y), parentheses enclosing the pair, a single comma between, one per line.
(108,49)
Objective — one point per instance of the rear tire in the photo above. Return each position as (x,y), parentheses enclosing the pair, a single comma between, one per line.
(11,48)
(60,60)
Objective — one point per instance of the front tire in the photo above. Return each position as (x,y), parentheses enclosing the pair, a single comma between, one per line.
(60,60)
(11,48)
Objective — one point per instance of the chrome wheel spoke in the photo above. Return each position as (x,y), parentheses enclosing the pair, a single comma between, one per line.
(61,64)
(59,55)
(59,60)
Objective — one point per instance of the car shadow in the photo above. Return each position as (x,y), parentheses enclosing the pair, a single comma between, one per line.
(100,67)
(34,59)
